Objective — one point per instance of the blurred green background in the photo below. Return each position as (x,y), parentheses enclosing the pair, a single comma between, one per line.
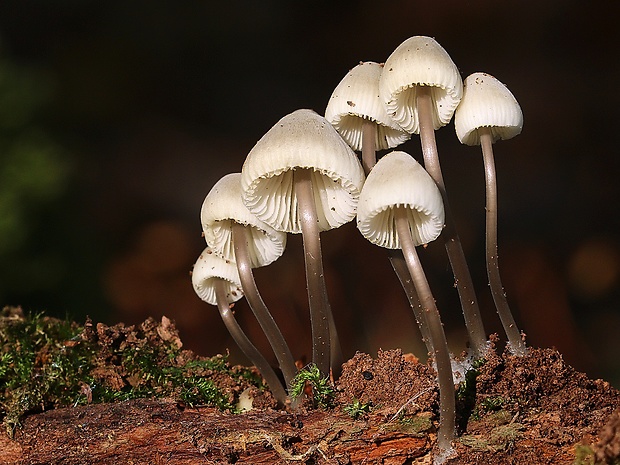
(116,118)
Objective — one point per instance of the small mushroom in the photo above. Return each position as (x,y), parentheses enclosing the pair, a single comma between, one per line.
(237,235)
(488,112)
(356,111)
(401,207)
(216,281)
(421,87)
(420,66)
(301,176)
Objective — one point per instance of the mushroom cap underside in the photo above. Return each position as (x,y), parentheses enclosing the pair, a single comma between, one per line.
(487,102)
(420,61)
(356,100)
(398,180)
(210,268)
(302,140)
(221,208)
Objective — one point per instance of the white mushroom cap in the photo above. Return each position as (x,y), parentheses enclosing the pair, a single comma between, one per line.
(399,180)
(302,139)
(487,103)
(420,61)
(222,207)
(355,99)
(209,268)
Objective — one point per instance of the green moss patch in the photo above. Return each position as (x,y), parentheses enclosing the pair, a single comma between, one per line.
(49,363)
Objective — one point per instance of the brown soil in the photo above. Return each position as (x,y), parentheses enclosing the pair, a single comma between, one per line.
(534,409)
(530,410)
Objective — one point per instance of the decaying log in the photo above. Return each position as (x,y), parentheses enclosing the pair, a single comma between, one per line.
(157,432)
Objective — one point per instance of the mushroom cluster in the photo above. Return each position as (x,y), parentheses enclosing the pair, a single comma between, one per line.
(304,176)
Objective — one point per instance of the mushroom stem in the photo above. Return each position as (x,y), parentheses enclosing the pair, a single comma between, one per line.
(515,342)
(440,353)
(402,271)
(260,310)
(369,160)
(369,134)
(250,351)
(336,356)
(320,311)
(464,283)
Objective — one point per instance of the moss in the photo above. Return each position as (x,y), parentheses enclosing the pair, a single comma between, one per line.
(357,408)
(466,394)
(489,405)
(584,455)
(41,364)
(47,363)
(415,424)
(500,438)
(322,390)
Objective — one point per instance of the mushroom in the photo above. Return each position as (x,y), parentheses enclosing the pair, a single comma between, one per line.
(356,111)
(301,176)
(401,207)
(216,281)
(237,235)
(488,112)
(421,87)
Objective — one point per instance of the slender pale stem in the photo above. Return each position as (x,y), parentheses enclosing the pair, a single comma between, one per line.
(402,271)
(315,279)
(335,349)
(441,353)
(260,310)
(515,342)
(369,135)
(369,160)
(246,346)
(464,283)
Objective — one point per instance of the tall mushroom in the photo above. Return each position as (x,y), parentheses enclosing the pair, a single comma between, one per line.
(488,112)
(301,176)
(421,87)
(401,207)
(356,111)
(237,235)
(216,281)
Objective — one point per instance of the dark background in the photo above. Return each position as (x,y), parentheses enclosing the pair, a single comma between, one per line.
(117,117)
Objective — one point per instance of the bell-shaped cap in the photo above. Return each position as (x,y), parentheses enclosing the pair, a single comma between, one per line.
(420,61)
(222,207)
(356,99)
(487,103)
(210,268)
(302,139)
(398,180)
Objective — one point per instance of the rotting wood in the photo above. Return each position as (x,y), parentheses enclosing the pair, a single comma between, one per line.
(145,431)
